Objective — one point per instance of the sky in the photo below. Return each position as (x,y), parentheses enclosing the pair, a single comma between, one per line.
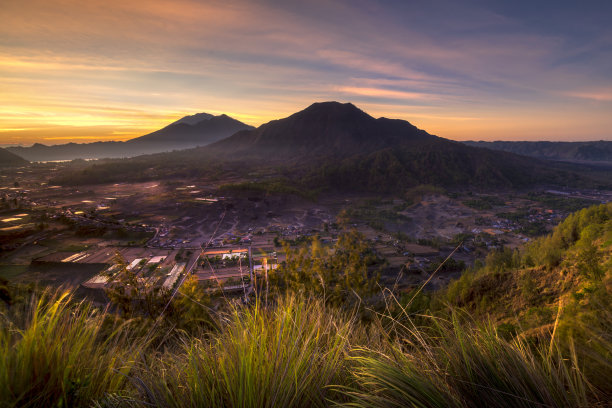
(82,71)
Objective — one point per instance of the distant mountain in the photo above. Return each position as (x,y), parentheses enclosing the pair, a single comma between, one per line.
(335,146)
(191,131)
(339,146)
(194,119)
(323,129)
(8,159)
(70,151)
(184,133)
(597,151)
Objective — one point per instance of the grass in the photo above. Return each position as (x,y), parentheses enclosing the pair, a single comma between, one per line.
(263,357)
(52,354)
(298,351)
(295,353)
(461,363)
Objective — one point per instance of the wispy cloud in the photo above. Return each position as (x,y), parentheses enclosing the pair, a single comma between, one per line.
(134,66)
(387,93)
(604,95)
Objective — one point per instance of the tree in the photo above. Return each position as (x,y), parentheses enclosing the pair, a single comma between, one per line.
(191,308)
(589,259)
(340,273)
(133,295)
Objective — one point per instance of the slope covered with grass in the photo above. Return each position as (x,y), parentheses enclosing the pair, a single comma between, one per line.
(297,353)
(552,276)
(298,349)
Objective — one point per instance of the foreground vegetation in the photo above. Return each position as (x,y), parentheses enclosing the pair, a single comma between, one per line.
(313,344)
(296,353)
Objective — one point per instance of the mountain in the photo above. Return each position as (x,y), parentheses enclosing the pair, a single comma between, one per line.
(70,151)
(335,146)
(194,119)
(341,147)
(597,151)
(184,133)
(323,129)
(188,132)
(8,159)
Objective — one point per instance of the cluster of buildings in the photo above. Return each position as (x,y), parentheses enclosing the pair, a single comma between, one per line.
(227,268)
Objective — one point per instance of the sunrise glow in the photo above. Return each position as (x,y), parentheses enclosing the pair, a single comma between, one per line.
(111,70)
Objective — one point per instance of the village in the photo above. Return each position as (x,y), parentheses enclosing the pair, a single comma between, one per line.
(163,231)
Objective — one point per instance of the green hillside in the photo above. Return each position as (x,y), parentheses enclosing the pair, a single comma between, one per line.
(596,151)
(527,328)
(552,275)
(559,285)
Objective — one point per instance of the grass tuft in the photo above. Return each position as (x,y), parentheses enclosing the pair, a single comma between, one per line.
(461,365)
(52,354)
(281,356)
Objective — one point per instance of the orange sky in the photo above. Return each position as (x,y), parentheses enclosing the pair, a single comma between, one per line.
(110,70)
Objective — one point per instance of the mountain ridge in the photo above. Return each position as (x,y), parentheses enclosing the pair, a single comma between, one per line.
(335,146)
(593,151)
(188,132)
(205,131)
(342,146)
(9,159)
(322,128)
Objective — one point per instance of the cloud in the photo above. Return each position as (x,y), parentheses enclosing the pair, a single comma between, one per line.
(387,93)
(600,96)
(137,64)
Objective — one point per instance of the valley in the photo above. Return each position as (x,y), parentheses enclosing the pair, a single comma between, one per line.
(232,212)
(70,234)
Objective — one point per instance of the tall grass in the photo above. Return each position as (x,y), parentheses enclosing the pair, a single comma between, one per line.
(296,353)
(51,354)
(281,356)
(461,365)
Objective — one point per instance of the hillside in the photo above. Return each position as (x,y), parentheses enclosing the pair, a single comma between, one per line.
(188,132)
(442,163)
(530,328)
(320,130)
(597,151)
(578,253)
(569,269)
(9,159)
(337,146)
(334,145)
(559,285)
